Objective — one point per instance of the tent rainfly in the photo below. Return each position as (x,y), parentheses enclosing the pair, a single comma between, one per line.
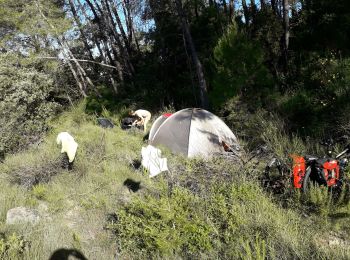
(193,132)
(159,121)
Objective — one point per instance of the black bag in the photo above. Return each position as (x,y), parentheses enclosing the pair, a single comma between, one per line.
(127,122)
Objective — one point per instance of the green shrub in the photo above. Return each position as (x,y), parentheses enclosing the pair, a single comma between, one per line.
(32,170)
(164,226)
(39,191)
(12,247)
(229,219)
(25,103)
(240,68)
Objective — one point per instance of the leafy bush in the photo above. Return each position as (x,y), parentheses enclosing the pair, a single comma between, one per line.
(240,68)
(12,247)
(33,171)
(229,218)
(317,100)
(165,225)
(39,191)
(232,221)
(25,103)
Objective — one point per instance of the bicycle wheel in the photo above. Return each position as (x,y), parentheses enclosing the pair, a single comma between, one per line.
(308,182)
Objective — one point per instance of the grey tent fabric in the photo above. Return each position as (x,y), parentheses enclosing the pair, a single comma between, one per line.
(194,132)
(159,121)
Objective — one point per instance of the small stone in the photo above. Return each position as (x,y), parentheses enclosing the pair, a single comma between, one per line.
(22,215)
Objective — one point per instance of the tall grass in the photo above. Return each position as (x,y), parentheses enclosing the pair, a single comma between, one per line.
(77,201)
(200,209)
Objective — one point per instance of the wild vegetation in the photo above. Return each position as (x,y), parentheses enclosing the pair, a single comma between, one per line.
(200,208)
(276,71)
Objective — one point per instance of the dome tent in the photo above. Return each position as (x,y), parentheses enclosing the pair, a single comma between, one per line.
(194,132)
(159,121)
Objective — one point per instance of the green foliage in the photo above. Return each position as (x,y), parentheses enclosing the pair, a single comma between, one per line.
(202,209)
(12,247)
(240,67)
(73,205)
(39,191)
(25,103)
(253,249)
(105,100)
(322,26)
(164,226)
(232,221)
(318,99)
(36,21)
(267,30)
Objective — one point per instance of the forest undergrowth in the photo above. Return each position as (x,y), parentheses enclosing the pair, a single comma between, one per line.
(213,208)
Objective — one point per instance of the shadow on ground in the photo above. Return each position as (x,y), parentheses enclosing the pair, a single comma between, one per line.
(66,254)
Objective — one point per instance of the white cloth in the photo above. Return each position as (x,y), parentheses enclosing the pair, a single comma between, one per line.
(69,145)
(152,161)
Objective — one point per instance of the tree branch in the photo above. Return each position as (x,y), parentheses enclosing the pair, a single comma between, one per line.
(89,61)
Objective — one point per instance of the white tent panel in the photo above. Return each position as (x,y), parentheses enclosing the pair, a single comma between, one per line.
(159,121)
(194,132)
(173,133)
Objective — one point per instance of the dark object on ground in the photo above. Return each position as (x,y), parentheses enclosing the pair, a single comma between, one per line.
(136,164)
(2,156)
(145,137)
(112,218)
(127,122)
(65,164)
(105,123)
(132,185)
(275,178)
(64,254)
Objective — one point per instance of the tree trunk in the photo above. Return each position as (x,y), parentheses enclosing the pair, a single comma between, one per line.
(124,53)
(196,8)
(65,47)
(262,4)
(286,31)
(105,54)
(294,8)
(119,23)
(245,11)
(111,33)
(80,84)
(232,8)
(104,38)
(225,6)
(253,10)
(273,6)
(128,19)
(84,38)
(199,68)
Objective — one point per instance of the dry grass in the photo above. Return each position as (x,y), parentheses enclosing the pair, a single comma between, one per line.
(225,199)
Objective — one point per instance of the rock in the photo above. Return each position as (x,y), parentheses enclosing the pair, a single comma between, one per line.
(22,215)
